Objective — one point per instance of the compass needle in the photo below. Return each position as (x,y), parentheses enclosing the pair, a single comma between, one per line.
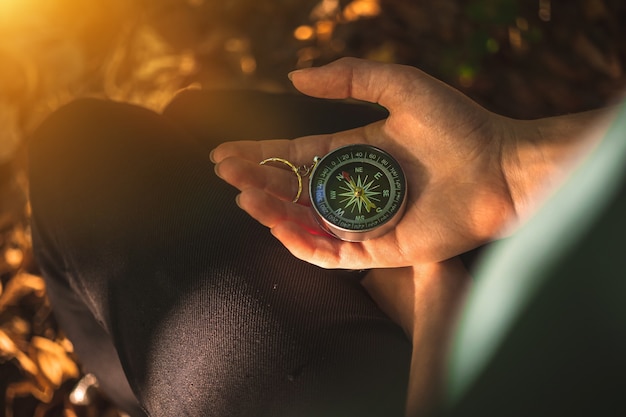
(358,192)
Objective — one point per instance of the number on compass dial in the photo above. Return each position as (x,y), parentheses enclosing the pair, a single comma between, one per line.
(358,192)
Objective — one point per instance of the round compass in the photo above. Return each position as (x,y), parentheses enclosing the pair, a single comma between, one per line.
(358,192)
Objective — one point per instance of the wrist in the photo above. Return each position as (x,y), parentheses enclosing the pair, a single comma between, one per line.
(539,154)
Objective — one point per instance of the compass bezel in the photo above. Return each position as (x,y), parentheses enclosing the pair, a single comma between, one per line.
(376,225)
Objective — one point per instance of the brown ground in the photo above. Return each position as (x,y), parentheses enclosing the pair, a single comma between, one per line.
(520,58)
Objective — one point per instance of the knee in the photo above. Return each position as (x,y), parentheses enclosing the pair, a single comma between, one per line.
(84,121)
(76,114)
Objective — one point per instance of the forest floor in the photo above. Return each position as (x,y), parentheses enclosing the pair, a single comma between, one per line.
(518,58)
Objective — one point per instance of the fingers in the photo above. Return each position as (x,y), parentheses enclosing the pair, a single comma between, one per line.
(316,248)
(295,226)
(254,151)
(238,162)
(325,251)
(276,181)
(360,79)
(270,211)
(299,151)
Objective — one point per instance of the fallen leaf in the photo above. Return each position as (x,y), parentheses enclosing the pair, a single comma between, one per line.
(20,286)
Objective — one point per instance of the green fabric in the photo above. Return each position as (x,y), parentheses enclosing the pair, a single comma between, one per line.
(541,295)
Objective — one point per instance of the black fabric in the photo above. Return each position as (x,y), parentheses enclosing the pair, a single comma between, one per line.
(155,274)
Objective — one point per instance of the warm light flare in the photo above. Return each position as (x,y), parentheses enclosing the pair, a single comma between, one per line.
(248,64)
(326,16)
(14,13)
(8,6)
(359,9)
(515,38)
(304,33)
(325,9)
(324,30)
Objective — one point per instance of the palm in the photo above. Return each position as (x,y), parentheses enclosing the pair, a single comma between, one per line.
(458,197)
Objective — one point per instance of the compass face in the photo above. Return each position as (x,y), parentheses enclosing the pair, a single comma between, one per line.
(358,192)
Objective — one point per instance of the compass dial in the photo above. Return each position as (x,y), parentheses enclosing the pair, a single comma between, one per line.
(358,192)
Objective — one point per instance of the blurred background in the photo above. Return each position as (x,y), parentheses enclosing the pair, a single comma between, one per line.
(523,59)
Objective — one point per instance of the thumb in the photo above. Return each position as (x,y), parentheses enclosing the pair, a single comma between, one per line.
(360,79)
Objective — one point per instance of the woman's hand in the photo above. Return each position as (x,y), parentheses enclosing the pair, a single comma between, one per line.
(450,148)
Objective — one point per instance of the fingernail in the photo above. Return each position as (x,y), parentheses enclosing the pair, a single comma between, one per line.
(237,200)
(290,75)
(211,156)
(217,172)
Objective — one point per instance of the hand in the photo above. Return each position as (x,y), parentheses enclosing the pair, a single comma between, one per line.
(450,148)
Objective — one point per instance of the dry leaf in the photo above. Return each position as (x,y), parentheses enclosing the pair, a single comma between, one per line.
(23,388)
(50,367)
(7,347)
(20,286)
(17,326)
(9,350)
(53,361)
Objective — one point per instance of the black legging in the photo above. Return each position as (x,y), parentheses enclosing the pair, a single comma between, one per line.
(165,287)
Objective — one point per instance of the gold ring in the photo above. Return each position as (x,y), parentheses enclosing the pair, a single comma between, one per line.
(293,168)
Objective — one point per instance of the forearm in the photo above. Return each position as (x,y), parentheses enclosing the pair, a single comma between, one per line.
(424,300)
(439,292)
(540,153)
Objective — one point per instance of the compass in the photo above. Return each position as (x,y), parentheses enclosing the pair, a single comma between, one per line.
(358,192)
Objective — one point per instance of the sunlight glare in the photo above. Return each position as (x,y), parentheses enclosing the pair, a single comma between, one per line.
(325,9)
(324,30)
(359,9)
(304,33)
(13,12)
(247,64)
(7,6)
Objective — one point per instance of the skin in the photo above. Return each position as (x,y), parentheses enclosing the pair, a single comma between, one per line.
(425,300)
(471,172)
(472,175)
